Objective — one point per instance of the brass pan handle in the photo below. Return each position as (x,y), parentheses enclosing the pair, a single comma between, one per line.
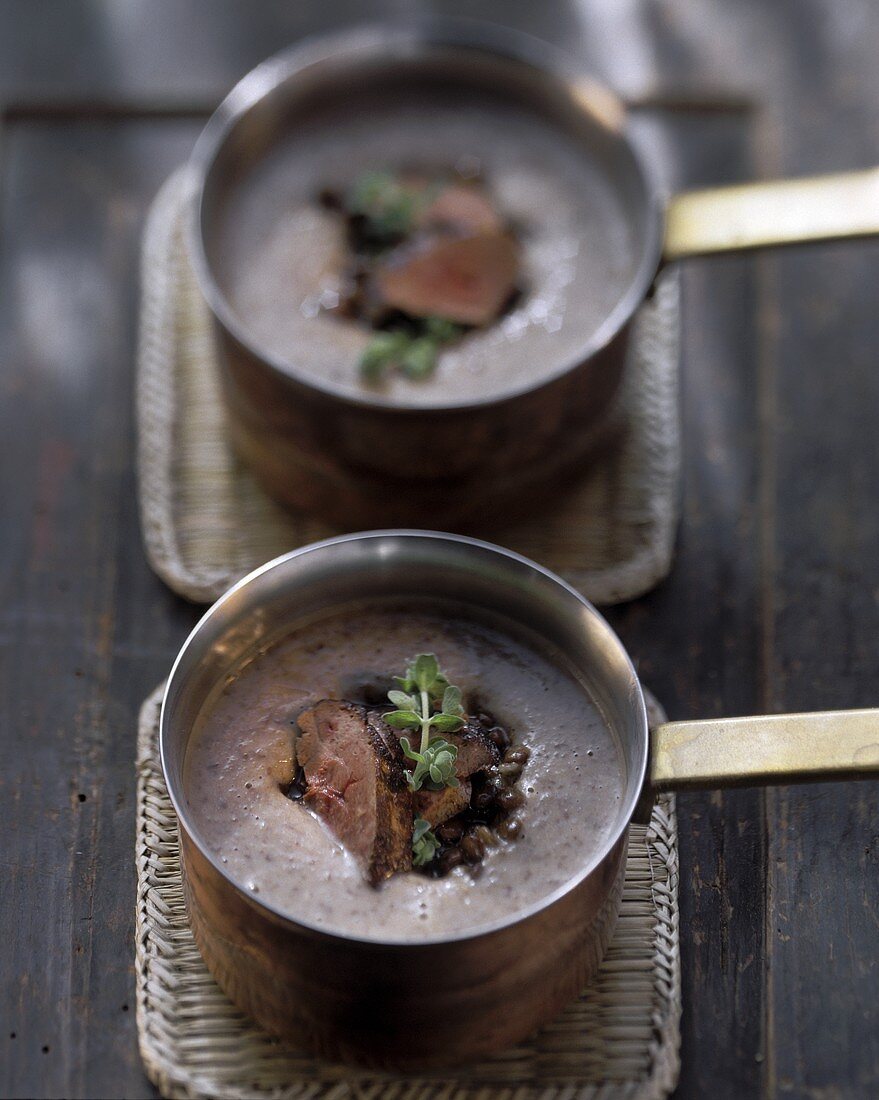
(779,748)
(778,212)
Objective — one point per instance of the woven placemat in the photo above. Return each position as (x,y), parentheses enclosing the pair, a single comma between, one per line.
(206,522)
(619,1040)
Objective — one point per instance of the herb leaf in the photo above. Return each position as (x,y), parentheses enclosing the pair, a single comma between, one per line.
(426,668)
(412,353)
(442,330)
(387,206)
(404,719)
(384,350)
(424,844)
(447,723)
(452,701)
(419,359)
(439,762)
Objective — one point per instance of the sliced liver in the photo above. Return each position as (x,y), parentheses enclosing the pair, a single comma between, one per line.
(356,783)
(438,806)
(467,279)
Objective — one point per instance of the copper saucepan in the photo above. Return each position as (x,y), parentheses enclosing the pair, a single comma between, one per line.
(364,998)
(357,457)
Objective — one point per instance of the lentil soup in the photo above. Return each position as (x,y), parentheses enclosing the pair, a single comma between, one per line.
(241,762)
(280,256)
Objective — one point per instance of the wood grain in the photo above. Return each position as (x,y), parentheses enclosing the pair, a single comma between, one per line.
(86,629)
(696,639)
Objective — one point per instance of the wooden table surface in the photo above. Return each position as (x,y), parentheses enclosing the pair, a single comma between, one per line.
(773,602)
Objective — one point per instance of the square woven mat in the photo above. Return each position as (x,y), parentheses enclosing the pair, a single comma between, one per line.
(206,522)
(619,1040)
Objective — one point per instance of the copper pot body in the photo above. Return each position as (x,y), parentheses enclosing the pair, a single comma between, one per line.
(342,461)
(406,1008)
(413,1004)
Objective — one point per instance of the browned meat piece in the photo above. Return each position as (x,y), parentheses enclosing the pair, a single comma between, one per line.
(355,782)
(463,207)
(465,279)
(438,806)
(476,750)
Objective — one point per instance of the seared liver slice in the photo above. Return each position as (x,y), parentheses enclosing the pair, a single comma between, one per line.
(354,771)
(438,806)
(476,750)
(463,207)
(467,279)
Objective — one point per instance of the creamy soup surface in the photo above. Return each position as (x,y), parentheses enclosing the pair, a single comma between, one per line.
(240,760)
(279,254)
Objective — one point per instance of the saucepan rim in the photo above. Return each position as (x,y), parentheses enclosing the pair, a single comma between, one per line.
(393,41)
(635,781)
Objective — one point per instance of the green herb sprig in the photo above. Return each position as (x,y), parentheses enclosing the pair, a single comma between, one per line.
(427,702)
(424,844)
(388,206)
(412,353)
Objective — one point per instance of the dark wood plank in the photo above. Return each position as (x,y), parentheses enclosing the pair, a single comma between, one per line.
(815,391)
(818,536)
(87,630)
(163,50)
(697,639)
(191,50)
(823,564)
